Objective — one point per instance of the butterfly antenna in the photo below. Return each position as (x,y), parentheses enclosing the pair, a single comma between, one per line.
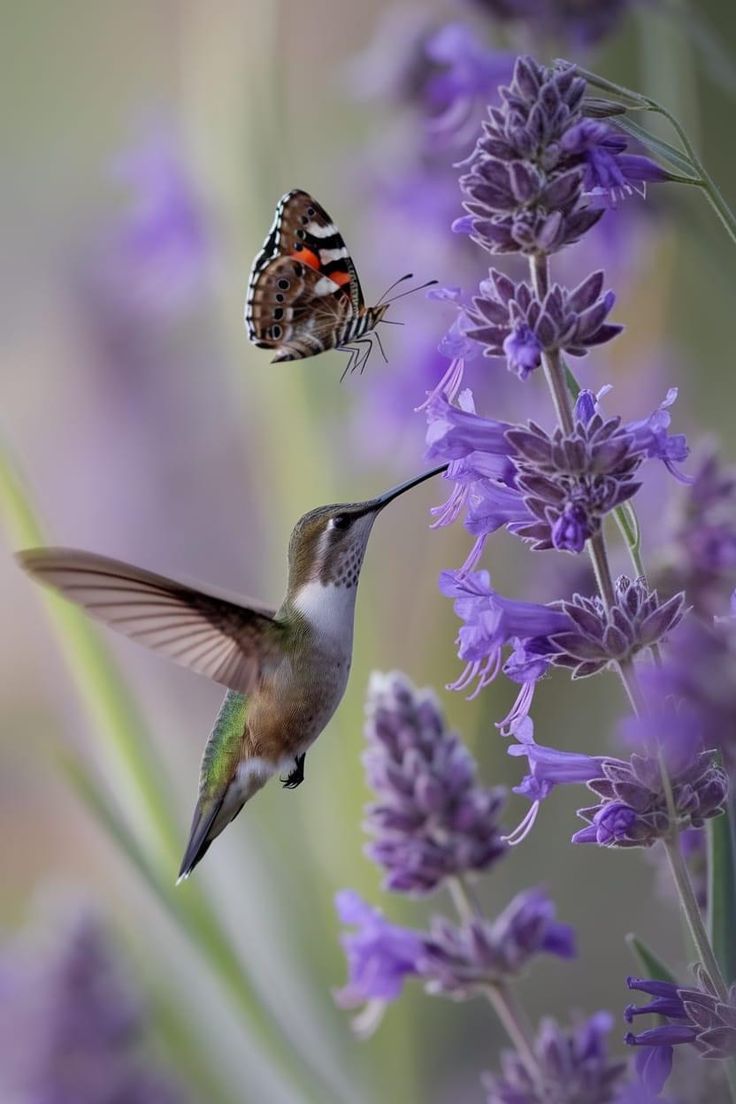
(429,283)
(409,276)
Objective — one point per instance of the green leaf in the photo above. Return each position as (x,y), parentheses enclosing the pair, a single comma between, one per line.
(722,892)
(650,963)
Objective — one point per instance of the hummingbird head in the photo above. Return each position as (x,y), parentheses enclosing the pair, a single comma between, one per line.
(328,544)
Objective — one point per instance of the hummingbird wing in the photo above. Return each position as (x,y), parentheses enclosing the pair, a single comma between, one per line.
(214,636)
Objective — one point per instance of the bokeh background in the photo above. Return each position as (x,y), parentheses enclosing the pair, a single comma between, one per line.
(145,146)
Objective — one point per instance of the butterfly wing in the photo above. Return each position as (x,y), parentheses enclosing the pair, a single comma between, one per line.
(303,287)
(214,636)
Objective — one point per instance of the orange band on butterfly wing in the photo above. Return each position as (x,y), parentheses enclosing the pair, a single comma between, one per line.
(307,257)
(340,278)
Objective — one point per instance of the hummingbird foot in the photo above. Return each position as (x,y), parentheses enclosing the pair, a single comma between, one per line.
(297,775)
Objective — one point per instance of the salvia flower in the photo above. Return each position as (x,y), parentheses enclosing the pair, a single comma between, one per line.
(432,819)
(71,1025)
(601,636)
(526,180)
(633,809)
(694,1014)
(552,490)
(610,172)
(571,481)
(460,961)
(491,622)
(574,1063)
(380,955)
(633,812)
(510,321)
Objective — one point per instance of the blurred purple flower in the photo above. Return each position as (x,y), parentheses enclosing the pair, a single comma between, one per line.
(701,557)
(71,1026)
(380,955)
(459,962)
(579,24)
(574,1065)
(159,252)
(432,820)
(468,79)
(700,1016)
(698,676)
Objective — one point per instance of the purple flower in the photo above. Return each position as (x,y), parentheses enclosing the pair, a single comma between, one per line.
(603,636)
(574,1064)
(459,962)
(633,810)
(159,254)
(610,172)
(698,676)
(548,767)
(71,1025)
(695,1015)
(701,558)
(511,321)
(455,432)
(570,481)
(550,489)
(524,192)
(431,820)
(653,1066)
(380,957)
(491,623)
(467,77)
(567,20)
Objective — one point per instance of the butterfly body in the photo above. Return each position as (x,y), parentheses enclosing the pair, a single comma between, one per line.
(304,295)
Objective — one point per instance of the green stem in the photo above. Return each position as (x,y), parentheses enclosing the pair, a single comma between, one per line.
(693,915)
(555,373)
(499,994)
(515,1024)
(637,101)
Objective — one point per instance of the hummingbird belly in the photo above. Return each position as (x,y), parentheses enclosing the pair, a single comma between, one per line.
(295,705)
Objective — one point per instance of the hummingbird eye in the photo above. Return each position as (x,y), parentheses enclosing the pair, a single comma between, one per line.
(340,521)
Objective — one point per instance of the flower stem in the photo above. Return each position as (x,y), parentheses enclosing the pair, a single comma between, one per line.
(693,915)
(499,994)
(518,1030)
(561,395)
(553,370)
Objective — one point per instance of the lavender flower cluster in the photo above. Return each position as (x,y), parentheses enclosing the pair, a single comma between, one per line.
(72,1028)
(540,177)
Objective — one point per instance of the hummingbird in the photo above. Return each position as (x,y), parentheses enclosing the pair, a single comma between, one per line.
(285,670)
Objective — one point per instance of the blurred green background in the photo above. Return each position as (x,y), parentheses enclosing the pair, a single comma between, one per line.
(168,441)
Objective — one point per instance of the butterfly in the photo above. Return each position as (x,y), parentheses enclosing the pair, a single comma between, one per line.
(304,295)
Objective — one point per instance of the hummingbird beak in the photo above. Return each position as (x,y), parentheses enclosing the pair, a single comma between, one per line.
(388,496)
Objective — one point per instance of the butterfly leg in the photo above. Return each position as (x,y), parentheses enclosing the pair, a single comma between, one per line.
(349,367)
(380,346)
(297,775)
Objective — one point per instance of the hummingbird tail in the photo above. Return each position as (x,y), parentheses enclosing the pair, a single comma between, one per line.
(213,814)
